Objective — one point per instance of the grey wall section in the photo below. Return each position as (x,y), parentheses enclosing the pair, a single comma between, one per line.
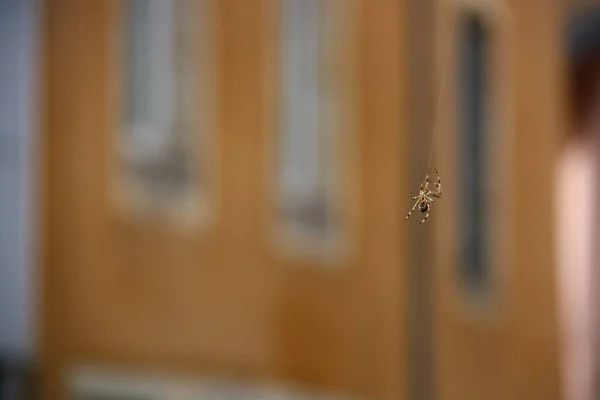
(18,150)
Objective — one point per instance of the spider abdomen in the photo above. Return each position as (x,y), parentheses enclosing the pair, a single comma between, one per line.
(423,206)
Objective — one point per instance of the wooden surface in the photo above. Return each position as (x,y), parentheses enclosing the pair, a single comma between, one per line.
(222,301)
(503,345)
(218,301)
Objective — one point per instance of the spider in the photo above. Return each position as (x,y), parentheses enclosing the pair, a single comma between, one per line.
(425,197)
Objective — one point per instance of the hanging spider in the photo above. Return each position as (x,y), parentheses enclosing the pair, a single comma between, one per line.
(425,197)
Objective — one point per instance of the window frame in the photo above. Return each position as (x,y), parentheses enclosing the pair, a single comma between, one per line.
(334,248)
(196,208)
(500,146)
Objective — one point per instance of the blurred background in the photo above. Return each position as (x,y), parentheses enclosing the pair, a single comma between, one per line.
(206,199)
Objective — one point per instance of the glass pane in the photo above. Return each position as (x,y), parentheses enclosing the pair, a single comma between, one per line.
(474,103)
(161,74)
(304,154)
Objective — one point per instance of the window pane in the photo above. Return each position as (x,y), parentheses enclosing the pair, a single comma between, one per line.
(161,75)
(305,157)
(474,101)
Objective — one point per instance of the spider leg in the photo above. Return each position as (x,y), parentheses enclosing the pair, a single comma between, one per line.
(426,186)
(438,184)
(411,210)
(413,197)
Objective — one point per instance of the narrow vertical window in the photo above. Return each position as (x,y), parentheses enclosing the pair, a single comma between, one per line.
(315,61)
(306,160)
(304,204)
(159,159)
(474,103)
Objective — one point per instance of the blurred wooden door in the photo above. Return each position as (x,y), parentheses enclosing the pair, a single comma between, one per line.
(216,298)
(496,306)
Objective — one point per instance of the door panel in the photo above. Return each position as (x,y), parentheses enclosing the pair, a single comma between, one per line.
(131,291)
(497,335)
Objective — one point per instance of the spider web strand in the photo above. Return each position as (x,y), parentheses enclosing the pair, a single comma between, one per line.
(444,79)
